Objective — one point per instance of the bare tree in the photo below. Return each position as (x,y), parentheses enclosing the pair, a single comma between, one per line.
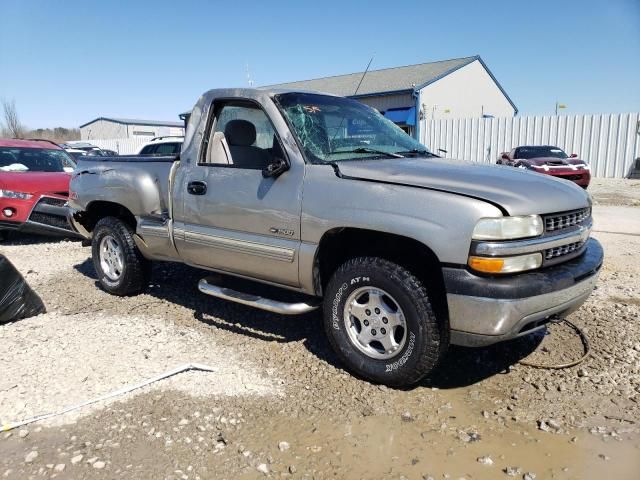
(12,123)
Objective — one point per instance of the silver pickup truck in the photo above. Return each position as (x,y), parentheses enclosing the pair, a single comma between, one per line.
(405,252)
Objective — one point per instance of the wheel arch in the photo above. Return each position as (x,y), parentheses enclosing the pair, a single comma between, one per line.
(340,244)
(99,209)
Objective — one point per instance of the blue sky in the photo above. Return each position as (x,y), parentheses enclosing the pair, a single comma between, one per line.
(66,62)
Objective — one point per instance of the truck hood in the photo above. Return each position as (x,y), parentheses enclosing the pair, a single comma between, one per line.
(516,191)
(36,182)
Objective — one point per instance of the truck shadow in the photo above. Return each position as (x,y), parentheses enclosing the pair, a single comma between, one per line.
(177,284)
(462,366)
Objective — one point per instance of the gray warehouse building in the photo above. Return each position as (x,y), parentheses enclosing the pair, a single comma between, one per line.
(455,88)
(107,128)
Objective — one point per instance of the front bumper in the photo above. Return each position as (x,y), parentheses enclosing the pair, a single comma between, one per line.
(487,310)
(46,216)
(579,177)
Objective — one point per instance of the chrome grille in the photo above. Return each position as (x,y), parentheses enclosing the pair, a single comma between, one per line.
(559,221)
(562,250)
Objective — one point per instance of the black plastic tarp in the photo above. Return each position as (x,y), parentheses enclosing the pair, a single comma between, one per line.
(17,300)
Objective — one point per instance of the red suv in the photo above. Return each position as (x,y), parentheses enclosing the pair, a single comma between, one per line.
(34,186)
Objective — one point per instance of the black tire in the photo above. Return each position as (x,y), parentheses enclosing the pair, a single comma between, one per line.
(427,338)
(136,270)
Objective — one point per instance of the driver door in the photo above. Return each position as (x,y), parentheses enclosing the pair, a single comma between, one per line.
(234,219)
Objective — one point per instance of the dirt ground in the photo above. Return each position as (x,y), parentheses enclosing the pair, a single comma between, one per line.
(279,404)
(615,192)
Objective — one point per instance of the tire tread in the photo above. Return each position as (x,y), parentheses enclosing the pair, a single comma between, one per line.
(138,268)
(434,351)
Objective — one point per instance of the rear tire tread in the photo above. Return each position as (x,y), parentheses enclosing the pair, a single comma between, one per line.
(137,269)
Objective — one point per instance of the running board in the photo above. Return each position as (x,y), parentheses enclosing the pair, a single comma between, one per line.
(254,300)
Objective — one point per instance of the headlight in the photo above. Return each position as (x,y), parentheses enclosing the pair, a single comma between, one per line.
(519,263)
(12,194)
(508,228)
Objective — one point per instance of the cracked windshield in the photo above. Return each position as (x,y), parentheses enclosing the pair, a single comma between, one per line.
(332,129)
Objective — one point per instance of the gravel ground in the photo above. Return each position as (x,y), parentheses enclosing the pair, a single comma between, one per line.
(615,191)
(280,405)
(71,358)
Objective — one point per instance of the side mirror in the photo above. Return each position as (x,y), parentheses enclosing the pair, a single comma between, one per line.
(505,156)
(276,168)
(573,155)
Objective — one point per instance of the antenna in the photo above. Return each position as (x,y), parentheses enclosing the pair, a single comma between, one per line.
(354,93)
(249,79)
(363,75)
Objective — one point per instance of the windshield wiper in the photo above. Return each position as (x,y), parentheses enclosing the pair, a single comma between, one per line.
(417,151)
(369,150)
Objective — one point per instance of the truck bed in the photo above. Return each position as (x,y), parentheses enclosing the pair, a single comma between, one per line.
(130,159)
(139,183)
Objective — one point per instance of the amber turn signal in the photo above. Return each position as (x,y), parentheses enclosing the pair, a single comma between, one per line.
(515,264)
(487,265)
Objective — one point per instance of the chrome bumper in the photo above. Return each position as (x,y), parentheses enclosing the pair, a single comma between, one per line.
(477,320)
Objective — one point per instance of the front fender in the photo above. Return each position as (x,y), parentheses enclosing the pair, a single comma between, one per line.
(442,221)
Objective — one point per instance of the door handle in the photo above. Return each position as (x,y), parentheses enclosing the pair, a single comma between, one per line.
(197,188)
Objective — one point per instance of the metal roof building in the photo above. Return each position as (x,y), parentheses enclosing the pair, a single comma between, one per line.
(108,128)
(455,88)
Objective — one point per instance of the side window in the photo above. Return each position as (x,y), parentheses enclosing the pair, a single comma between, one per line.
(242,137)
(167,149)
(148,150)
(67,160)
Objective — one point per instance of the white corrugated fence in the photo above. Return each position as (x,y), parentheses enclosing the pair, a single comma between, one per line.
(124,146)
(609,142)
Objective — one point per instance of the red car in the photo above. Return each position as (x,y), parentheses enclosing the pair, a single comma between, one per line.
(550,161)
(34,187)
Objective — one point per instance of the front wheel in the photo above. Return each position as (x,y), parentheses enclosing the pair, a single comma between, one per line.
(121,268)
(380,322)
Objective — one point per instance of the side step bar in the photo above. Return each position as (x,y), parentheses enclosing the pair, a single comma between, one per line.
(255,301)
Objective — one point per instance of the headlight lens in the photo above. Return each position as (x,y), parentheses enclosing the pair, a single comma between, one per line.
(12,194)
(508,228)
(519,263)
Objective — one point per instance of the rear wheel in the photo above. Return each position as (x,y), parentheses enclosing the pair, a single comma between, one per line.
(379,320)
(121,268)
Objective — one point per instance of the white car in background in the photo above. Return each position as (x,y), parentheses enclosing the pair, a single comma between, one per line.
(168,145)
(78,146)
(79,149)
